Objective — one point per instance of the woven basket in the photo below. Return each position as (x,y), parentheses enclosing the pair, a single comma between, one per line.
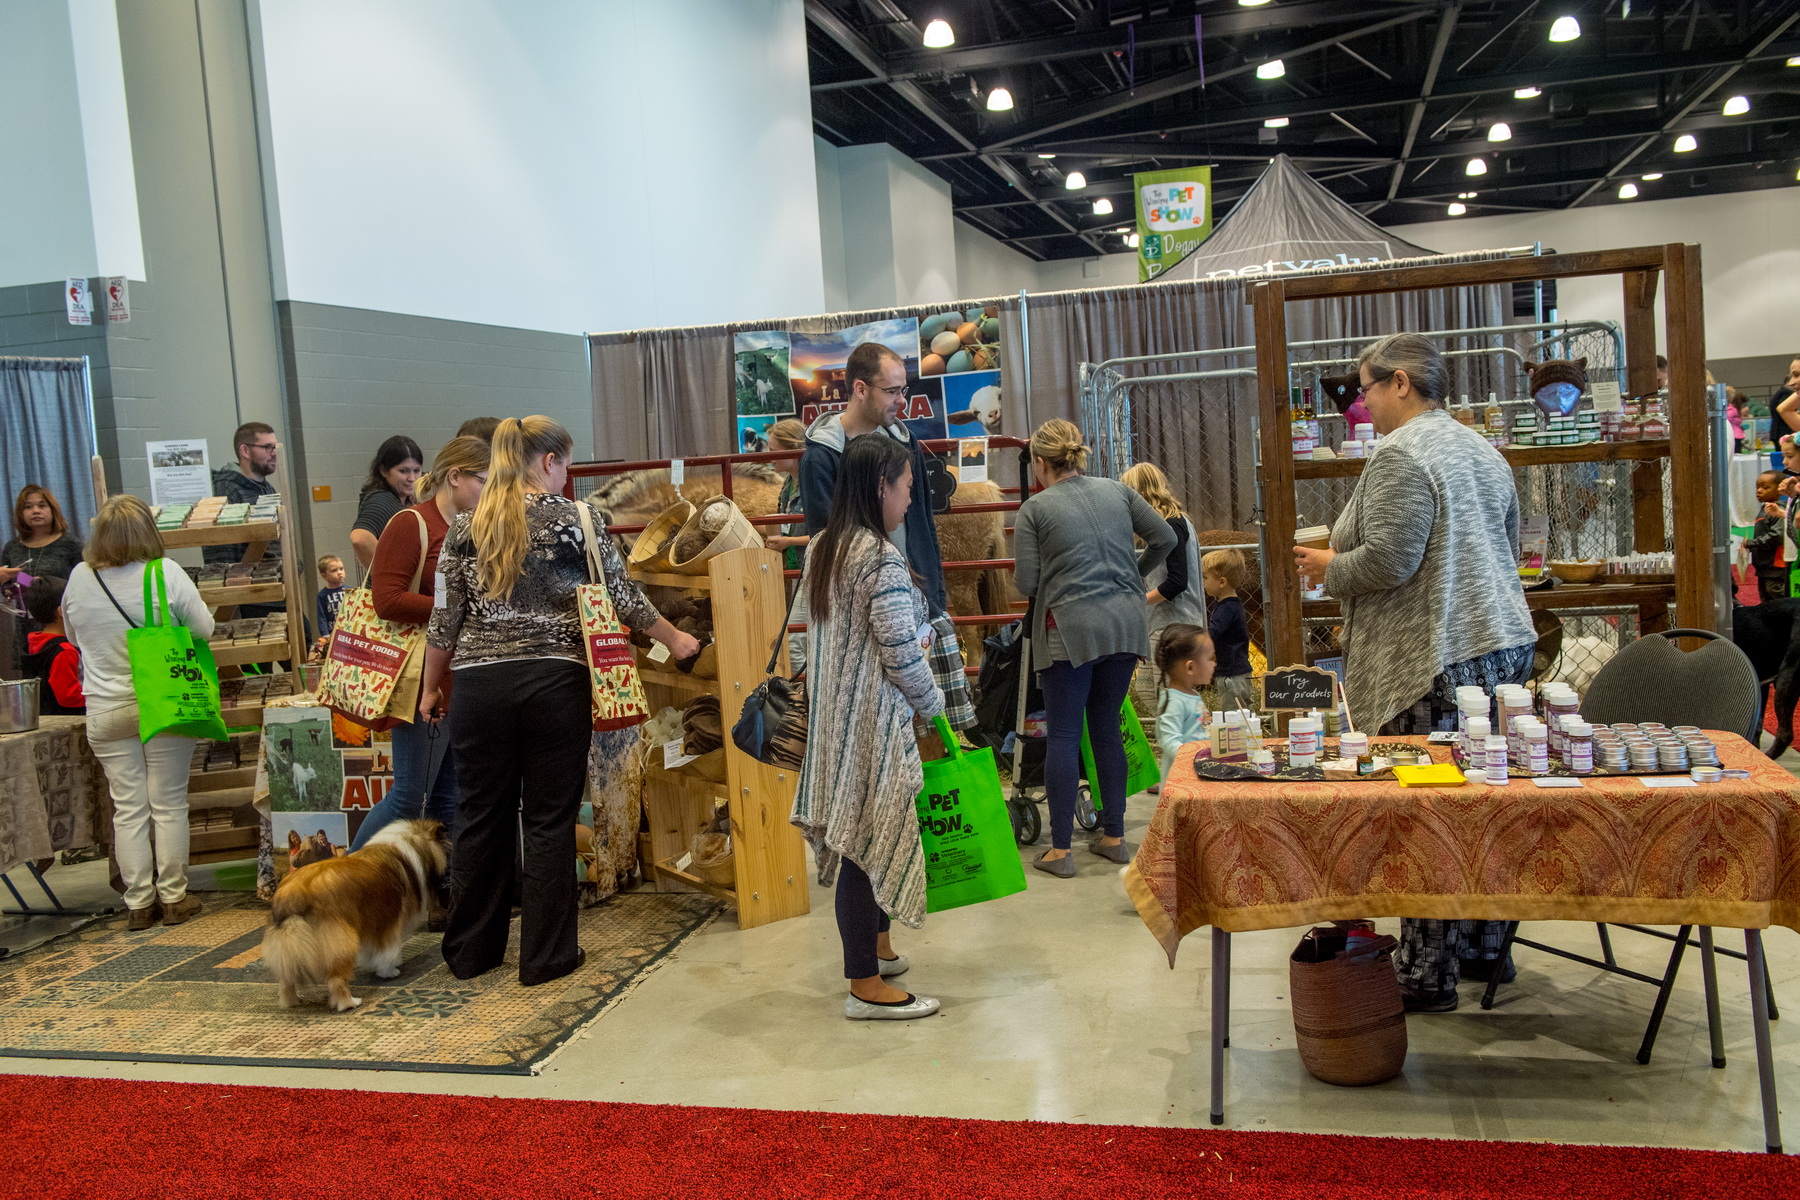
(713,859)
(1349,1019)
(650,552)
(736,534)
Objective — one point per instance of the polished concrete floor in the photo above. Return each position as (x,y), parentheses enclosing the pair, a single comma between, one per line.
(1058,1005)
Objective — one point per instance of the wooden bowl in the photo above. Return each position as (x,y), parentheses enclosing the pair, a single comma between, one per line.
(1577,572)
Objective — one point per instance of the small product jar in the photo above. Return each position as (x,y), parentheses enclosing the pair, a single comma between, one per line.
(1253,736)
(1475,742)
(1578,746)
(1494,761)
(1303,742)
(1263,761)
(1560,701)
(1351,449)
(1356,746)
(1537,748)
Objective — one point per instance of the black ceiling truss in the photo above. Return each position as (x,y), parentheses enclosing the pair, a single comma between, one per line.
(1385,101)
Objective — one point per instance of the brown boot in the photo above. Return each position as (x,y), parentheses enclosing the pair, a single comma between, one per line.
(143,918)
(182,911)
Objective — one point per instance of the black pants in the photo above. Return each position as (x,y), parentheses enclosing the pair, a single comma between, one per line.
(1094,691)
(520,732)
(860,921)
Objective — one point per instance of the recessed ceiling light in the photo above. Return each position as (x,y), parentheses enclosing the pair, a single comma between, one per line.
(1465,195)
(1737,106)
(1565,29)
(1653,177)
(1457,209)
(1046,156)
(1251,3)
(1528,93)
(1499,131)
(1276,123)
(999,100)
(1477,166)
(938,34)
(1628,191)
(1273,69)
(1102,207)
(1131,239)
(1794,61)
(1075,181)
(1686,142)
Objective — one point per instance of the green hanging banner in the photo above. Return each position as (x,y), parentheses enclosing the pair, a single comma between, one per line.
(1174,214)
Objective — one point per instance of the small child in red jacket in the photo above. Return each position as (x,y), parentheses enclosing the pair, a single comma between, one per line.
(48,655)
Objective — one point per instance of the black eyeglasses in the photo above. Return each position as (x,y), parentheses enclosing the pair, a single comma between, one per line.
(893,393)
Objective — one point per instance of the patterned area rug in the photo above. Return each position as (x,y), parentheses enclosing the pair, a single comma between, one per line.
(199,993)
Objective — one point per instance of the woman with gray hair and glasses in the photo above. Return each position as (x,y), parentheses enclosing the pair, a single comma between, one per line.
(1424,559)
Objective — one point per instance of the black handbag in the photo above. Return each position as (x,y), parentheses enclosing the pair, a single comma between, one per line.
(772,727)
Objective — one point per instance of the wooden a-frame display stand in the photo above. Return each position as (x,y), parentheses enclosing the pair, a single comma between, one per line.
(1687,448)
(768,853)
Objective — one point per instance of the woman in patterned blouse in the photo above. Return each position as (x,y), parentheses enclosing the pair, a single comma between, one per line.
(508,625)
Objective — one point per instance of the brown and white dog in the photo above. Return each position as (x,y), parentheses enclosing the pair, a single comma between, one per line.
(335,916)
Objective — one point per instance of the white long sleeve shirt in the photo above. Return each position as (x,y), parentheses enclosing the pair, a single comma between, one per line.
(98,630)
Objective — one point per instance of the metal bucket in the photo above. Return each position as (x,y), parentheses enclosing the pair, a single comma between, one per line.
(18,705)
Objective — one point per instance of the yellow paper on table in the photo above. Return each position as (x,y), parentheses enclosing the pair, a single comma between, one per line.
(1436,775)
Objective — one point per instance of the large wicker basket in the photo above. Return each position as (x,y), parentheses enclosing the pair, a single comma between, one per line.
(651,550)
(1349,1019)
(736,534)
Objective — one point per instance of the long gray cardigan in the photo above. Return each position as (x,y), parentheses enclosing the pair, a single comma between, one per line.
(1072,552)
(1427,565)
(862,774)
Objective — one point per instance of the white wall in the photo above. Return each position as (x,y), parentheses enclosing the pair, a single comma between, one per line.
(831,226)
(1749,258)
(562,165)
(889,233)
(1106,270)
(987,267)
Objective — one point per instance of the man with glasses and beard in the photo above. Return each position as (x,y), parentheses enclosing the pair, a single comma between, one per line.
(241,483)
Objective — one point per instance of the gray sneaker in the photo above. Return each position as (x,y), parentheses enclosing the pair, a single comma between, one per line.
(909,1009)
(1120,853)
(1063,867)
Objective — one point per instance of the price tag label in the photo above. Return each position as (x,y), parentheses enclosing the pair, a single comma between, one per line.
(678,470)
(686,860)
(658,652)
(673,758)
(1556,781)
(1606,398)
(1666,781)
(1441,737)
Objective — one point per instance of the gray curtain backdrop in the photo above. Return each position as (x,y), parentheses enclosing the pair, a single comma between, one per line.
(46,436)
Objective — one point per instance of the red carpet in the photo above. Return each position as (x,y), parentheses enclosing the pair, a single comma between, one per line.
(119,1140)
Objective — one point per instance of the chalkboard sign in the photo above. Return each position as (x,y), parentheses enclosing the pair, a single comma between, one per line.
(1298,688)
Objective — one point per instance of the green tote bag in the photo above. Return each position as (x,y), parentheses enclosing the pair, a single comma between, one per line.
(1142,767)
(970,855)
(172,671)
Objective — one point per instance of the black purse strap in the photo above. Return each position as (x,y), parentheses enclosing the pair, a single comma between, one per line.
(114,599)
(775,650)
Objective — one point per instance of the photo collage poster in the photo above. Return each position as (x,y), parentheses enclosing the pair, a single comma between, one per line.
(319,768)
(952,371)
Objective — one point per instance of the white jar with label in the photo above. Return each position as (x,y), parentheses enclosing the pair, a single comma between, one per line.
(1303,742)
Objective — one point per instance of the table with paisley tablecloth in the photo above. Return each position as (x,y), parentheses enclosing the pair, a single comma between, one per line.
(52,792)
(1265,855)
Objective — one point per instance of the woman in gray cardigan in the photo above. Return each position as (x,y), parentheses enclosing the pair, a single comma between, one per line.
(1424,559)
(1074,556)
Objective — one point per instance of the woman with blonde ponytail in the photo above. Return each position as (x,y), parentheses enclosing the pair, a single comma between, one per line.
(425,782)
(507,625)
(1074,558)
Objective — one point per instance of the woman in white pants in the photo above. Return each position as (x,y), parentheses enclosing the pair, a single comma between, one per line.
(105,599)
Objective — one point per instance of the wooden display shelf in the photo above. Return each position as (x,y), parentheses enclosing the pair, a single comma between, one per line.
(222,535)
(676,681)
(252,593)
(218,781)
(769,854)
(240,715)
(1518,456)
(236,655)
(670,579)
(219,841)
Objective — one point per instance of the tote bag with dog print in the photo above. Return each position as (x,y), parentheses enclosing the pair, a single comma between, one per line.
(373,666)
(618,692)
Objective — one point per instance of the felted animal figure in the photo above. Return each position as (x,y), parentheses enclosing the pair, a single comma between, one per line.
(1556,384)
(355,911)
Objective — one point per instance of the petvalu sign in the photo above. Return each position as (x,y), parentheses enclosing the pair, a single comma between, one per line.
(1174,214)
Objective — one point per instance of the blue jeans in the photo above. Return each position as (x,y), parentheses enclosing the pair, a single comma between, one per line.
(414,753)
(1094,690)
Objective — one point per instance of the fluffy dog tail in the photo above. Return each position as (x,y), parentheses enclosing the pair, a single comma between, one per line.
(300,951)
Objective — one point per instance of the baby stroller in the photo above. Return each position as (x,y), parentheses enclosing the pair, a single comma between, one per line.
(1009,692)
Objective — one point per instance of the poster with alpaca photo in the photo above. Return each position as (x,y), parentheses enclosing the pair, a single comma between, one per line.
(305,770)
